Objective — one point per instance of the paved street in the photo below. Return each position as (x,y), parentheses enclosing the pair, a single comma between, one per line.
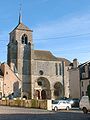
(14,113)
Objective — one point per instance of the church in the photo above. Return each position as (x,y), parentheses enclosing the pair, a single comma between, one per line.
(39,74)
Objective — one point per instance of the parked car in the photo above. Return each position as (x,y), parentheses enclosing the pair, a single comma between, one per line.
(85,104)
(74,102)
(60,104)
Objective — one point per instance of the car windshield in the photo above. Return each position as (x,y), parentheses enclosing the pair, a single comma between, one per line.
(62,98)
(55,102)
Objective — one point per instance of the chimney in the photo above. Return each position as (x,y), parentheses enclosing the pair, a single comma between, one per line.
(75,63)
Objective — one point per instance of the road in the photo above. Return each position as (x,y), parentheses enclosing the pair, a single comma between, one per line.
(15,113)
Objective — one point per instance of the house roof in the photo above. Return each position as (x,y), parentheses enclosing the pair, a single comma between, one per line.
(83,64)
(48,56)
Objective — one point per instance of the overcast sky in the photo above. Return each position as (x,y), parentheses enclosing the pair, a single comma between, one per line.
(60,26)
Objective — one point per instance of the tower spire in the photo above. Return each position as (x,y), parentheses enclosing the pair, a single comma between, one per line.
(20,13)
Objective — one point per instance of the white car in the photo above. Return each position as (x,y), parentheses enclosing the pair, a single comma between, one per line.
(85,104)
(61,104)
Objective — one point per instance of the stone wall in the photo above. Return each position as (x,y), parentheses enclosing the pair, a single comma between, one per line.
(41,104)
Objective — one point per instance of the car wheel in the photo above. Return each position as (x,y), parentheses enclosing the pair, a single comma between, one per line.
(85,110)
(67,108)
(55,109)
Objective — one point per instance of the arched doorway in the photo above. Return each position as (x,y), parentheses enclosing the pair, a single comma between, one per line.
(43,94)
(25,96)
(58,90)
(44,86)
(37,94)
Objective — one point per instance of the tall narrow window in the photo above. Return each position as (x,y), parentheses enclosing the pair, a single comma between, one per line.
(86,70)
(60,69)
(82,93)
(56,66)
(82,83)
(24,39)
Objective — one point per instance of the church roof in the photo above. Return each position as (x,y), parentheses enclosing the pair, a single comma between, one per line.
(21,26)
(48,56)
(67,62)
(43,55)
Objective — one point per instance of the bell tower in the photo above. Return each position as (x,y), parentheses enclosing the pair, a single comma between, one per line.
(19,54)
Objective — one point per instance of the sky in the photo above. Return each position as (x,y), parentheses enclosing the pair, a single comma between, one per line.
(59,26)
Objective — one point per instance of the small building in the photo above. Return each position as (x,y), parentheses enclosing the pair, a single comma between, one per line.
(74,80)
(84,77)
(79,79)
(9,82)
(1,82)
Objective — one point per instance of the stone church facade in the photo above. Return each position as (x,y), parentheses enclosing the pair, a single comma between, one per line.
(42,75)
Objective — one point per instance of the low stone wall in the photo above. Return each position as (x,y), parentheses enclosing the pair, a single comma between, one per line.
(42,104)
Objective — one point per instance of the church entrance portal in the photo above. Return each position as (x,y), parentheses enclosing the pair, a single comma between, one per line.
(43,91)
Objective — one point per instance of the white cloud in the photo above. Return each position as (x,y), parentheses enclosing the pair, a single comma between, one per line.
(65,27)
(70,48)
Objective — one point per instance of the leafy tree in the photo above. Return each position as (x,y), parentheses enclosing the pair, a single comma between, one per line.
(88,91)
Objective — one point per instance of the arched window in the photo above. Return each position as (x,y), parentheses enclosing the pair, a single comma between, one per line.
(58,89)
(24,39)
(56,67)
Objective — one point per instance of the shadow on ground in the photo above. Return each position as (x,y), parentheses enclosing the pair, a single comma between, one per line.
(49,116)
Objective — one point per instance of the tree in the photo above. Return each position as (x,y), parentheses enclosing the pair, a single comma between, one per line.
(88,91)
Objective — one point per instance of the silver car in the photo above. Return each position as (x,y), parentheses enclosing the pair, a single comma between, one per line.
(60,104)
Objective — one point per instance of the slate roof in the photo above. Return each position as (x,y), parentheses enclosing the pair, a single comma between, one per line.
(48,56)
(21,26)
